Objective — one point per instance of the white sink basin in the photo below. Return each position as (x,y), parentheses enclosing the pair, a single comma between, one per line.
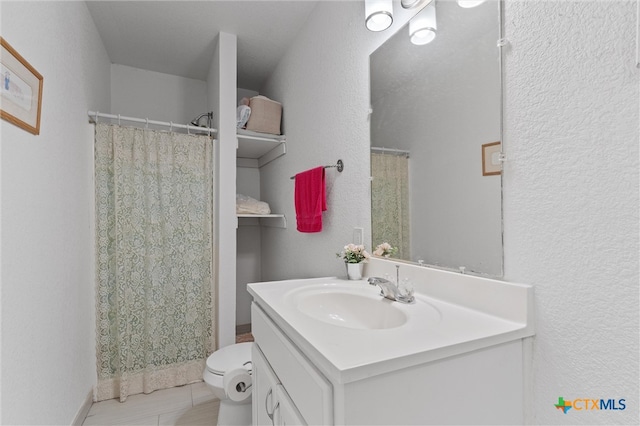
(351,306)
(351,310)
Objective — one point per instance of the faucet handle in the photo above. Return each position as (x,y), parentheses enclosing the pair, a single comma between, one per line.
(405,291)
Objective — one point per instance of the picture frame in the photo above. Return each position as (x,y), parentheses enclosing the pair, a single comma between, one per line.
(21,90)
(491,164)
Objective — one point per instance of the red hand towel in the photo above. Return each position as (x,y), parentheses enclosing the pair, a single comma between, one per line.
(310,199)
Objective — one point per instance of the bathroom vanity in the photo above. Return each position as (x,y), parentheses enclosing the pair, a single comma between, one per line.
(332,351)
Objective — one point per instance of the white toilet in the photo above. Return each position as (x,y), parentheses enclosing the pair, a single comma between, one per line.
(219,363)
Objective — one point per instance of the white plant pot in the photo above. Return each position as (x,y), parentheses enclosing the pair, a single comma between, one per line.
(354,270)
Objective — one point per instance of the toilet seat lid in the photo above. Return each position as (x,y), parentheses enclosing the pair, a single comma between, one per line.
(229,358)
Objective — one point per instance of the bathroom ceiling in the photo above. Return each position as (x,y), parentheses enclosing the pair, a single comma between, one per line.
(179,37)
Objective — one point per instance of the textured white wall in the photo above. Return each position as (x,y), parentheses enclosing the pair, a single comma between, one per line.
(157,96)
(48,341)
(571,198)
(322,83)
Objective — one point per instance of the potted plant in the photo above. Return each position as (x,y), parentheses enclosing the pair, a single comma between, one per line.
(354,256)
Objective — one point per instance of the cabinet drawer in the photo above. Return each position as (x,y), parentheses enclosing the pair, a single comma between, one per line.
(309,390)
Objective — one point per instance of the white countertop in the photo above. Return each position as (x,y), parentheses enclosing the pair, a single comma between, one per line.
(434,329)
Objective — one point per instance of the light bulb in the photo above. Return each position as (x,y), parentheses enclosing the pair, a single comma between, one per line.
(470,3)
(378,14)
(413,4)
(423,26)
(421,37)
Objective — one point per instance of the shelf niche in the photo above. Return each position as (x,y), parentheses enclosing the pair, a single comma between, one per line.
(258,149)
(254,151)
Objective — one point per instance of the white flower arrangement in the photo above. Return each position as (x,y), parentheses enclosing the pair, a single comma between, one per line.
(354,254)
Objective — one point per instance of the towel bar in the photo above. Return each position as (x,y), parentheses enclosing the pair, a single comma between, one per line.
(339,165)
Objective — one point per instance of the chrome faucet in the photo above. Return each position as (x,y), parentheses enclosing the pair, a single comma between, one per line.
(390,290)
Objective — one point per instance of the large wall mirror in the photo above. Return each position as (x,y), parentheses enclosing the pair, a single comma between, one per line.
(436,109)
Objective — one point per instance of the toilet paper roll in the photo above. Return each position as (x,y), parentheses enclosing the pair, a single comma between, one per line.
(237,384)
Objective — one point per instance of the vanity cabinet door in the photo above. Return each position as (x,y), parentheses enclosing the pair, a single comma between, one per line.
(264,404)
(309,390)
(286,412)
(271,404)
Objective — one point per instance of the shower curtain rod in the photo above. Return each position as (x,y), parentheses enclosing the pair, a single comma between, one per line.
(94,115)
(391,151)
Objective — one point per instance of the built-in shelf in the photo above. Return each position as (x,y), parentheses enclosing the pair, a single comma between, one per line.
(272,220)
(257,149)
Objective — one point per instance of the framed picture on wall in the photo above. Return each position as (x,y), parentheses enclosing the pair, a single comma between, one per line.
(491,164)
(21,90)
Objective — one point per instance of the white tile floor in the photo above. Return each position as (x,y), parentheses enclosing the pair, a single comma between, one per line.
(186,405)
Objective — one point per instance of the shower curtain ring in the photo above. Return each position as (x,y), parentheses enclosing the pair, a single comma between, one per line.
(118,119)
(146,126)
(171,126)
(96,117)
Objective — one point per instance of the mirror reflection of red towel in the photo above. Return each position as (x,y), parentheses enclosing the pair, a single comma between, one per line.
(310,199)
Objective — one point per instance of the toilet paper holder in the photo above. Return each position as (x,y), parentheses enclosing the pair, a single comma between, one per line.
(242,386)
(237,383)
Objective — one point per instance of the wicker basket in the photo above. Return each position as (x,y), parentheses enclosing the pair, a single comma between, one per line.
(265,115)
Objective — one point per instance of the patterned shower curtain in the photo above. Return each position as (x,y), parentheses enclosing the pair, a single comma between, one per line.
(154,226)
(390,201)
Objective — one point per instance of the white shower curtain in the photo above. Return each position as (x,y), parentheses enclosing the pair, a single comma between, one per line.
(390,201)
(154,229)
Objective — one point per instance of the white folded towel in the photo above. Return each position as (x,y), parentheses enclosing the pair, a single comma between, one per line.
(248,205)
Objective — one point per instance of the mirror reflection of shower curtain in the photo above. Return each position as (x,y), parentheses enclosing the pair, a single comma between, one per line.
(154,255)
(390,201)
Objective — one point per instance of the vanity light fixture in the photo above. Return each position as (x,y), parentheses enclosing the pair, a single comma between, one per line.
(423,26)
(470,3)
(414,4)
(378,14)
